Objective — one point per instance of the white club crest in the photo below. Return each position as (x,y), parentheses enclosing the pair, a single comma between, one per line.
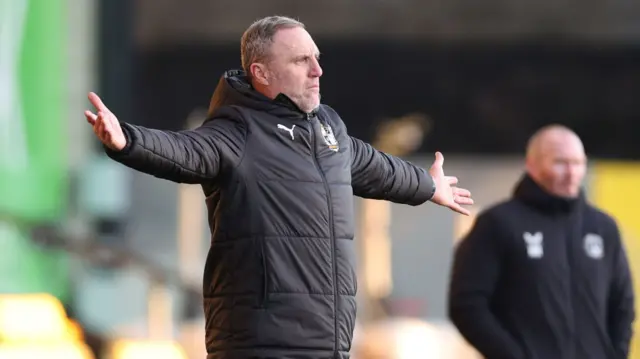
(329,138)
(534,244)
(594,246)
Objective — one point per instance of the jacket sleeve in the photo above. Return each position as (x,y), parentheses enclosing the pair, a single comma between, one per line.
(377,175)
(190,156)
(621,312)
(476,268)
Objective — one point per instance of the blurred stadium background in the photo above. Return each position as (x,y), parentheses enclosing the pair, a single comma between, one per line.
(97,261)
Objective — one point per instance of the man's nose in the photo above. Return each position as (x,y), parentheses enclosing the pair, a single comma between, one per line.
(316,70)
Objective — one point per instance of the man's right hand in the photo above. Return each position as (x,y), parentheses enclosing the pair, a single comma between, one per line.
(105,124)
(447,194)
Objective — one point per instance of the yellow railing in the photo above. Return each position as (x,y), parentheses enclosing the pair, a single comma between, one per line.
(37,326)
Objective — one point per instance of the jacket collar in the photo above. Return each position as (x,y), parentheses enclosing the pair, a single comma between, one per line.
(532,194)
(234,88)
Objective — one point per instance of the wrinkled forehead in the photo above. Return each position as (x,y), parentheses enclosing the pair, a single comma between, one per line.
(291,42)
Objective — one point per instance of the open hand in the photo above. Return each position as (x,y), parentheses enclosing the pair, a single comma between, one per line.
(105,124)
(447,194)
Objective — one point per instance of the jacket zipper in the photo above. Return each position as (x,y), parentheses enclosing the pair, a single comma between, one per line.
(569,257)
(332,234)
(575,234)
(265,276)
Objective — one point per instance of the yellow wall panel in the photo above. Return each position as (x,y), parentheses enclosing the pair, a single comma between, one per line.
(615,188)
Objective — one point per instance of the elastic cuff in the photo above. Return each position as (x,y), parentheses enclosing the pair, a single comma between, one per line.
(127,147)
(426,189)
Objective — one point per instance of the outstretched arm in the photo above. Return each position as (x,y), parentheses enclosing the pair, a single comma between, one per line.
(378,175)
(193,156)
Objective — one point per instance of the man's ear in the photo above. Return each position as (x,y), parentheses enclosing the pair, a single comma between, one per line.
(259,73)
(529,163)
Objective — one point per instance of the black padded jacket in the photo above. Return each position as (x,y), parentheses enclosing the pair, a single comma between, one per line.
(541,277)
(280,277)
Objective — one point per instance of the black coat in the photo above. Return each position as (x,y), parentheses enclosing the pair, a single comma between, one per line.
(280,278)
(542,277)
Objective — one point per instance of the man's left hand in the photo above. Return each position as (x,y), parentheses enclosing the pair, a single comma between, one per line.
(447,194)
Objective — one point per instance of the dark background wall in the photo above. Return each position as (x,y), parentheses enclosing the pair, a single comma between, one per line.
(482,97)
(486,76)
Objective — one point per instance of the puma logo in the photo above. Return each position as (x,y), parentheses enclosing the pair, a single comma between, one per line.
(534,244)
(290,130)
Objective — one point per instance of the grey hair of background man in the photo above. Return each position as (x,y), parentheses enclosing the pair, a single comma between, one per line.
(256,41)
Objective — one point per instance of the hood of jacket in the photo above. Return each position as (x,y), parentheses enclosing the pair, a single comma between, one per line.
(532,194)
(234,88)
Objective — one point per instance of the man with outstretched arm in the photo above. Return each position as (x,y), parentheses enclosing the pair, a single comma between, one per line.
(279,172)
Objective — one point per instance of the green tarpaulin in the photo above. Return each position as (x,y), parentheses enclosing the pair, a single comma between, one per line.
(33,137)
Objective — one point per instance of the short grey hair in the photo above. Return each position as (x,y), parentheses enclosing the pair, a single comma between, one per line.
(255,45)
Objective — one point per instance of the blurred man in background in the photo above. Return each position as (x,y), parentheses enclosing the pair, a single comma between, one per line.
(279,172)
(545,274)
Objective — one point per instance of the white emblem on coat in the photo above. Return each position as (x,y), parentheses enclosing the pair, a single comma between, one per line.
(329,138)
(534,244)
(594,245)
(290,130)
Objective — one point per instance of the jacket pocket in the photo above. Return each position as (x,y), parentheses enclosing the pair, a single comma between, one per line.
(264,294)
